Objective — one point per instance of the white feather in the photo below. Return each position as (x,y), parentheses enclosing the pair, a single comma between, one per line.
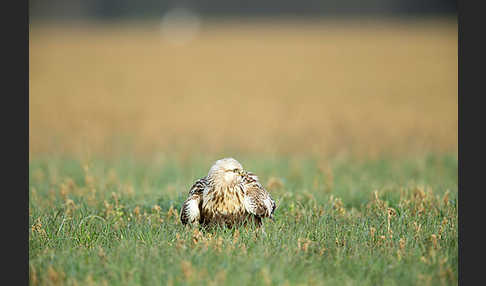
(192,210)
(268,204)
(248,204)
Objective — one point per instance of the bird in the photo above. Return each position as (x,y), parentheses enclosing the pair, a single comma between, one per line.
(227,196)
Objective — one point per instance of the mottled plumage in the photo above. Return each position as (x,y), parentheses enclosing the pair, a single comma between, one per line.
(228,195)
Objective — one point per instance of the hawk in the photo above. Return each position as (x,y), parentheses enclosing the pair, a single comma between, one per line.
(227,196)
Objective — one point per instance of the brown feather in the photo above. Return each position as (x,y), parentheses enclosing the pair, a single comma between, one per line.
(227,197)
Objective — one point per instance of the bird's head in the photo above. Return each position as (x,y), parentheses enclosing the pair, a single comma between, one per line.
(226,171)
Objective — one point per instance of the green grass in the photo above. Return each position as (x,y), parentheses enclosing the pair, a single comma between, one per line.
(99,225)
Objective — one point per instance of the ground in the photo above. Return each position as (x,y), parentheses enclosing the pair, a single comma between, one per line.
(352,127)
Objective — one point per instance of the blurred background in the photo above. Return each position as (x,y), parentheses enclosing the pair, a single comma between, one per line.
(144,78)
(122,9)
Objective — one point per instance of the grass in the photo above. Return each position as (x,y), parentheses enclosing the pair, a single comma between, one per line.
(372,222)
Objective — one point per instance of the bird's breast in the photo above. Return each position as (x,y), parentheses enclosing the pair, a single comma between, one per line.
(224,202)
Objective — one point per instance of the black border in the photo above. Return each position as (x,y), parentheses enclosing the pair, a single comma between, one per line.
(471,50)
(15,141)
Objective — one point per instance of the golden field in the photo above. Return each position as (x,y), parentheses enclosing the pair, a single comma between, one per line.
(317,87)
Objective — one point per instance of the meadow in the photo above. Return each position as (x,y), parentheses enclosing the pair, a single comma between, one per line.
(351,126)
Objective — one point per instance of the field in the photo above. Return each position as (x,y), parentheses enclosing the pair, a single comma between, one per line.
(351,126)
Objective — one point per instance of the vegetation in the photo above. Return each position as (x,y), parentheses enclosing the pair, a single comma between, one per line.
(369,223)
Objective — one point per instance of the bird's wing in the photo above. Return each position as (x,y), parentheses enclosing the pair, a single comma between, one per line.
(190,211)
(257,200)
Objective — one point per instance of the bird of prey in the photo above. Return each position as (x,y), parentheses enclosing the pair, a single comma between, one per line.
(227,196)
